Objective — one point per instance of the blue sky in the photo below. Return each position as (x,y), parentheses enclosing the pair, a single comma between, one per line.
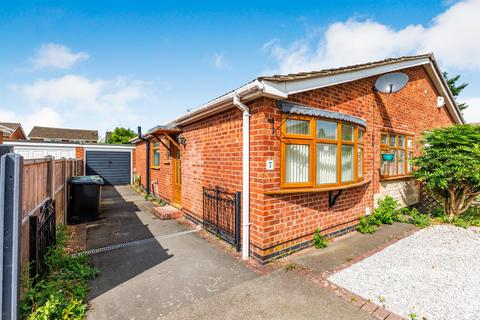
(99,64)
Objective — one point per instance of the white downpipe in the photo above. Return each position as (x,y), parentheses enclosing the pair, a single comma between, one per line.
(246,177)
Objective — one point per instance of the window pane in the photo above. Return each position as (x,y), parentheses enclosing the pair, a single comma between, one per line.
(393,140)
(156,158)
(401,141)
(360,162)
(401,162)
(409,164)
(297,157)
(326,163)
(326,130)
(347,132)
(347,163)
(409,143)
(360,135)
(388,167)
(298,126)
(384,138)
(383,164)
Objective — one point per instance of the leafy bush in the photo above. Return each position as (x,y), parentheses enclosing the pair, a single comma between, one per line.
(366,225)
(62,292)
(418,219)
(319,241)
(449,165)
(387,211)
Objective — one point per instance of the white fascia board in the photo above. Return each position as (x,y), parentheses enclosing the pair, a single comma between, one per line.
(107,147)
(247,92)
(296,86)
(445,92)
(91,146)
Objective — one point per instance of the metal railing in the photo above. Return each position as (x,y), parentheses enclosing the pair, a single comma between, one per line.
(221,214)
(42,236)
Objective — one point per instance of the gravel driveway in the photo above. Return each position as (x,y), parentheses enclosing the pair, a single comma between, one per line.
(434,273)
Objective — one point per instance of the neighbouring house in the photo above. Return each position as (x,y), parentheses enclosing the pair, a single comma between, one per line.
(63,135)
(307,151)
(12,131)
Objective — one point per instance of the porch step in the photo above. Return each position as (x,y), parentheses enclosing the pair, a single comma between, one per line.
(167,212)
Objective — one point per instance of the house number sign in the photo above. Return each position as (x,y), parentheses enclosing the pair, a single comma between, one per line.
(270,164)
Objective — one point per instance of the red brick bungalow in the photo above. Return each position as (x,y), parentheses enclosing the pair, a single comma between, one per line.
(304,149)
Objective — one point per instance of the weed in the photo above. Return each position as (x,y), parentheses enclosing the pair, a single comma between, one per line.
(459,222)
(290,267)
(420,220)
(319,241)
(366,226)
(61,293)
(413,316)
(387,211)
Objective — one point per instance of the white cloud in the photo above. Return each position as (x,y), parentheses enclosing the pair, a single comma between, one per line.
(219,61)
(56,56)
(35,117)
(452,36)
(472,113)
(79,102)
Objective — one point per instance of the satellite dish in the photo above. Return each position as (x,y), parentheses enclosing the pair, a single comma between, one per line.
(391,82)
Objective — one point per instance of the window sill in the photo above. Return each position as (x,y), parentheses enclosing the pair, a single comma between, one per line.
(313,190)
(404,177)
(155,168)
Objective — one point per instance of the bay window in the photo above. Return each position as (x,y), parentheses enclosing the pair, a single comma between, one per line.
(396,153)
(320,153)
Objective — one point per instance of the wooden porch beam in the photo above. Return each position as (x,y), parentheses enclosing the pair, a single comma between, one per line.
(172,141)
(160,140)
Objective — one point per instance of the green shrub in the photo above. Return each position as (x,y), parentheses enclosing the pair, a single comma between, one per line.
(387,211)
(366,225)
(62,292)
(418,219)
(471,216)
(319,241)
(459,222)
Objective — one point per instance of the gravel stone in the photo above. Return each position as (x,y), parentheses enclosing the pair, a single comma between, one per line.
(434,273)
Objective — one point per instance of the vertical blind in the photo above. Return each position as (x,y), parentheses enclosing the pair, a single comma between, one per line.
(347,163)
(297,158)
(326,163)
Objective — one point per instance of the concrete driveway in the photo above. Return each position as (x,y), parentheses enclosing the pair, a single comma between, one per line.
(157,269)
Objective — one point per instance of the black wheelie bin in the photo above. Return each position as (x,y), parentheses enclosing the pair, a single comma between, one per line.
(85,193)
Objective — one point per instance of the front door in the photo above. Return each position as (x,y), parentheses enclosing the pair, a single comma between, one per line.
(176,176)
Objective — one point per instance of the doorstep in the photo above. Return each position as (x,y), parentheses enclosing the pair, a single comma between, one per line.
(167,212)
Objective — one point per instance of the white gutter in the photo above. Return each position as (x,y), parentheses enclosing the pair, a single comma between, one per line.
(249,91)
(246,177)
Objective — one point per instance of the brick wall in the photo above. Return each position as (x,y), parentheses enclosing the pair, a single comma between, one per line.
(213,156)
(79,152)
(17,135)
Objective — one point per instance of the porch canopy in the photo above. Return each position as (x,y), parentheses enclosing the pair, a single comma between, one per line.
(167,132)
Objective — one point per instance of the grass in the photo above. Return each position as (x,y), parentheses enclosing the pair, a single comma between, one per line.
(62,292)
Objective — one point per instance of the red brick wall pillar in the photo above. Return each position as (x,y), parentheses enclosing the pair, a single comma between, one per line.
(80,153)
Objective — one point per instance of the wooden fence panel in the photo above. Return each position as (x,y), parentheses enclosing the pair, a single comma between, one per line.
(44,179)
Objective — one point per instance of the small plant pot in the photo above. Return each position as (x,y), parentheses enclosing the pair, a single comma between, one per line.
(388,157)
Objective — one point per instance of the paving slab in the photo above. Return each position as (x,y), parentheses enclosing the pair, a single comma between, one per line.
(149,280)
(347,248)
(279,295)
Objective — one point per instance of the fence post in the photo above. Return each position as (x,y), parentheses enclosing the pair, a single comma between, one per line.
(51,177)
(237,220)
(11,166)
(65,190)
